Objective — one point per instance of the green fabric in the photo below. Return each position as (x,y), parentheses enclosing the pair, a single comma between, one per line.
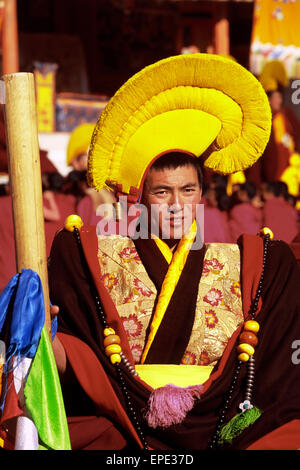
(237,425)
(44,401)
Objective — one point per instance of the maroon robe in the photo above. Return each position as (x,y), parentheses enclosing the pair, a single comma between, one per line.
(73,276)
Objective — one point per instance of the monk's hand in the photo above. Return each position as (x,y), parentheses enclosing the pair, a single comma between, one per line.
(58,349)
(54,311)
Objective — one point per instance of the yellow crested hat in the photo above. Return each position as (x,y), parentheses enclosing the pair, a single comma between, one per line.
(182,103)
(273,76)
(79,141)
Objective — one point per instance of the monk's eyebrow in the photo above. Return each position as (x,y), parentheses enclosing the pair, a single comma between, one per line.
(189,185)
(159,187)
(165,186)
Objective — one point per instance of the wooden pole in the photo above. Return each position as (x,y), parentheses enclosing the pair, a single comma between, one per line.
(25,178)
(10,45)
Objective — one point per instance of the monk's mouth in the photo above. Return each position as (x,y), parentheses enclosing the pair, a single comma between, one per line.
(176,222)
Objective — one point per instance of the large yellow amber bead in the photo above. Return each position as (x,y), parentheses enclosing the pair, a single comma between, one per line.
(246,348)
(109,331)
(251,325)
(243,357)
(113,349)
(114,358)
(73,221)
(249,338)
(267,231)
(111,339)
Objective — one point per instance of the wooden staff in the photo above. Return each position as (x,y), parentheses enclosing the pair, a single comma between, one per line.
(25,178)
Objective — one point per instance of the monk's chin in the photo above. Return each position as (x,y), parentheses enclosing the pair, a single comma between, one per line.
(172,234)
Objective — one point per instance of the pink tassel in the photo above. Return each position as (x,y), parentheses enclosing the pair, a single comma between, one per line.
(169,405)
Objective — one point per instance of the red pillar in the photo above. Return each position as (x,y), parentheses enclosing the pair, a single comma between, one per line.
(10,46)
(221,31)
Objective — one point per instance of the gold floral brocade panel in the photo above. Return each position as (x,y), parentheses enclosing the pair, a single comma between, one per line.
(219,305)
(218,309)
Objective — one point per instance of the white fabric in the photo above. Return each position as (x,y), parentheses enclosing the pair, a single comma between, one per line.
(26,434)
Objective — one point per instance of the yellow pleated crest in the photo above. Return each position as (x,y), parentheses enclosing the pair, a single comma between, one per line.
(239,123)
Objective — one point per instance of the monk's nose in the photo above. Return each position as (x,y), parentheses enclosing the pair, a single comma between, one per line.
(175,204)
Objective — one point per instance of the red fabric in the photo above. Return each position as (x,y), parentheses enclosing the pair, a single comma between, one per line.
(66,204)
(94,433)
(244,218)
(7,242)
(286,437)
(295,247)
(11,408)
(281,218)
(252,259)
(95,382)
(216,227)
(87,212)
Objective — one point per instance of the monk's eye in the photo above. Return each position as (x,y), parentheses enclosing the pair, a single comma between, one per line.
(161,193)
(189,190)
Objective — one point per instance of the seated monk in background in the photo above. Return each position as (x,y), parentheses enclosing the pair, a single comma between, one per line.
(246,214)
(278,214)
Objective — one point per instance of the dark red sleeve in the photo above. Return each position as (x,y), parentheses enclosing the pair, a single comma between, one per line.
(94,381)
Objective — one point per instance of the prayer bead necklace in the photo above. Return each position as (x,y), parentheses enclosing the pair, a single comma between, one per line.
(245,355)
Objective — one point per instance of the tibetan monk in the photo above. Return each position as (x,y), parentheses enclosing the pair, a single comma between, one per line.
(165,342)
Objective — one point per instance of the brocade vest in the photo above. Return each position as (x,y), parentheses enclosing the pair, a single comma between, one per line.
(218,307)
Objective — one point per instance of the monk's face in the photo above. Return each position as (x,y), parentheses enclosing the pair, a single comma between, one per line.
(171,197)
(275,101)
(79,163)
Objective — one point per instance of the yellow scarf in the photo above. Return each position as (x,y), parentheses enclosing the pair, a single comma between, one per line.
(176,263)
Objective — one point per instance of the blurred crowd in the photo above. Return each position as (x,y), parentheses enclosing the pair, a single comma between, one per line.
(247,209)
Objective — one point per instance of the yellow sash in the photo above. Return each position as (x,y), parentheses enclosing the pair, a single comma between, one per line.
(176,264)
(159,375)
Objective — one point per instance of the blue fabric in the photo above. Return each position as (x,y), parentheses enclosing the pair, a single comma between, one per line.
(54,327)
(28,313)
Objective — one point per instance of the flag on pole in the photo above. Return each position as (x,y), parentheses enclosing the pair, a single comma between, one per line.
(31,389)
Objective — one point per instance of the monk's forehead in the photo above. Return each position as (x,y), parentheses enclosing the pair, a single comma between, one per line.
(181,175)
